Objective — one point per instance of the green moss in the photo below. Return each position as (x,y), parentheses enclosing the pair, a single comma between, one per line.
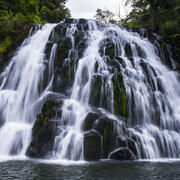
(123,106)
(95,95)
(47,109)
(110,51)
(41,121)
(120,98)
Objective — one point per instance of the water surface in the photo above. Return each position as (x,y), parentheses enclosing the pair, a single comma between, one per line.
(103,170)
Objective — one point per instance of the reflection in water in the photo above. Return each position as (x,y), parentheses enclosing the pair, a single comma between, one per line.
(109,170)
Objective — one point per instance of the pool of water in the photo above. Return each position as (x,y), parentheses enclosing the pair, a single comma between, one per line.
(103,170)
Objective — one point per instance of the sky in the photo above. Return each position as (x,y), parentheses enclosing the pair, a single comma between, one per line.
(87,8)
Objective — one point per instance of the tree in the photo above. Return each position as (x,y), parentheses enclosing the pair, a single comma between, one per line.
(18,16)
(53,10)
(104,15)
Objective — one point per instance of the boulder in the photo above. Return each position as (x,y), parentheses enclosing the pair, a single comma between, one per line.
(128,50)
(107,128)
(126,142)
(92,146)
(44,131)
(95,95)
(122,154)
(120,97)
(89,120)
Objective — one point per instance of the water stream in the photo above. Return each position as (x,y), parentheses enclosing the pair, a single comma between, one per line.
(152,92)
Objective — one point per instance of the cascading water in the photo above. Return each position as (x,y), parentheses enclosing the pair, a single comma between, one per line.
(116,73)
(152,95)
(19,92)
(69,143)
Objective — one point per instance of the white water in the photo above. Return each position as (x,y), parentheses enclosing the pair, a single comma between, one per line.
(157,137)
(19,92)
(154,114)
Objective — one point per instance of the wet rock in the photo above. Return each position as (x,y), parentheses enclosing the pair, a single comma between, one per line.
(45,129)
(122,154)
(95,95)
(126,142)
(89,120)
(110,50)
(62,51)
(107,128)
(140,52)
(48,48)
(121,61)
(69,20)
(42,140)
(120,99)
(128,50)
(92,146)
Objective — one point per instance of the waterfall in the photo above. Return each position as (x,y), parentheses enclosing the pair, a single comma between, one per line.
(19,91)
(118,94)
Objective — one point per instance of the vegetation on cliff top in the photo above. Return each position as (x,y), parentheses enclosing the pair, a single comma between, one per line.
(162,16)
(18,16)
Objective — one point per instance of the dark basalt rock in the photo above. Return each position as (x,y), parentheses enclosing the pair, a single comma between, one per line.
(122,154)
(92,146)
(128,50)
(126,142)
(106,127)
(103,136)
(120,99)
(140,52)
(89,120)
(42,143)
(45,129)
(95,95)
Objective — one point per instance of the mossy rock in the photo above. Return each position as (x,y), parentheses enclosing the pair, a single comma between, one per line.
(44,130)
(120,97)
(89,120)
(107,128)
(48,49)
(110,50)
(122,154)
(107,47)
(58,32)
(121,61)
(126,142)
(148,70)
(42,142)
(62,51)
(68,72)
(128,50)
(140,52)
(50,110)
(95,95)
(92,146)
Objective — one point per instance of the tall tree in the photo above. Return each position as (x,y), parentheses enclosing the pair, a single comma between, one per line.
(104,15)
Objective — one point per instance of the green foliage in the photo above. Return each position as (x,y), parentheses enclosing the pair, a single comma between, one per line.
(105,16)
(4,45)
(18,16)
(163,16)
(53,10)
(168,28)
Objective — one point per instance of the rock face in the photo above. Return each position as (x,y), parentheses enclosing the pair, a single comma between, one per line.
(106,126)
(92,146)
(44,131)
(122,154)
